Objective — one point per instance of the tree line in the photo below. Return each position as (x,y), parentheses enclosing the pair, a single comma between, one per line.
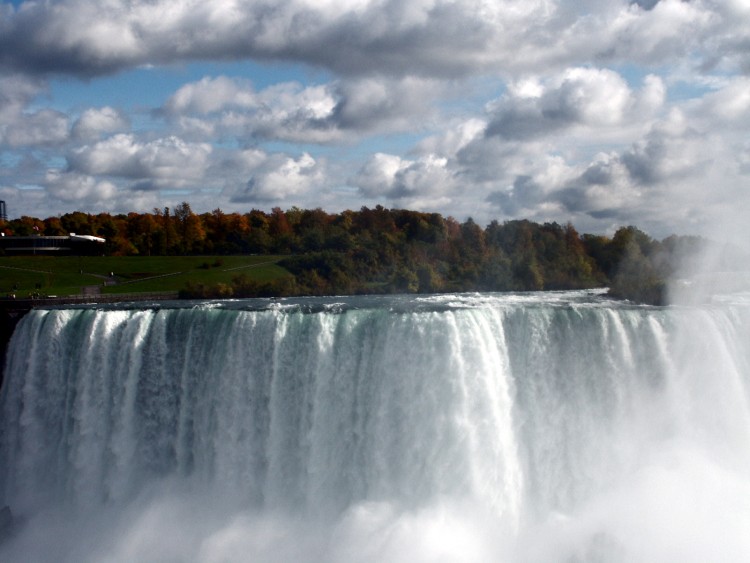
(382,250)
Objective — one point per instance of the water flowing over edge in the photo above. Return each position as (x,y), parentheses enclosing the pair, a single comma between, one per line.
(530,427)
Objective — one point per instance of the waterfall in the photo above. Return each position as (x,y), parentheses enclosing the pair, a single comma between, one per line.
(485,427)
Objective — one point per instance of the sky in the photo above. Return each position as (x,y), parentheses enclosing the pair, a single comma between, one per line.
(603,113)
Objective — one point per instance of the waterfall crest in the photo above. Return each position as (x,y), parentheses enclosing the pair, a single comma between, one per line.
(534,428)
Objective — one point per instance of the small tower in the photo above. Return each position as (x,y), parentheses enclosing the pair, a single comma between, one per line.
(3,213)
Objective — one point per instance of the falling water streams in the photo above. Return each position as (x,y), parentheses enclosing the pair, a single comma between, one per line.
(460,428)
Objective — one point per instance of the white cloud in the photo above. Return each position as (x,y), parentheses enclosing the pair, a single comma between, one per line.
(663,170)
(242,162)
(20,127)
(453,139)
(211,95)
(289,111)
(673,178)
(378,174)
(425,37)
(419,183)
(378,104)
(95,122)
(43,127)
(279,177)
(729,105)
(604,189)
(651,97)
(227,107)
(169,159)
(74,187)
(595,98)
(69,191)
(16,91)
(661,156)
(673,28)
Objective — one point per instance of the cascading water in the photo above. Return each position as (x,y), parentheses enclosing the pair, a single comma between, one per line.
(477,428)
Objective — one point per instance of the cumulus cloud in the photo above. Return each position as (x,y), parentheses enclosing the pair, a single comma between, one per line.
(597,98)
(69,191)
(391,36)
(660,175)
(43,127)
(422,182)
(16,91)
(211,95)
(169,160)
(603,190)
(454,138)
(671,150)
(664,30)
(376,104)
(672,175)
(44,37)
(525,195)
(20,127)
(223,106)
(18,199)
(75,187)
(96,122)
(278,177)
(426,37)
(378,174)
(645,4)
(536,190)
(728,105)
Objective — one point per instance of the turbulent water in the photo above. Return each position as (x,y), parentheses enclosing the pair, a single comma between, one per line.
(463,428)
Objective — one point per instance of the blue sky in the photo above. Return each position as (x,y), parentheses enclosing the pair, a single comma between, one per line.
(601,113)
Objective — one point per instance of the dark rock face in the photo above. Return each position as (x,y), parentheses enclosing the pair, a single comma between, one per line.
(9,318)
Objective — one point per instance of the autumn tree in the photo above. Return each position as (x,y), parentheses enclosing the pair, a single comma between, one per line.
(190,229)
(53,227)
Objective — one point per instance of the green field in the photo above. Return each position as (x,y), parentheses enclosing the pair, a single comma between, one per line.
(73,275)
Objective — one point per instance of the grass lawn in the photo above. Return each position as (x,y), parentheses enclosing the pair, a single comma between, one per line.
(69,275)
